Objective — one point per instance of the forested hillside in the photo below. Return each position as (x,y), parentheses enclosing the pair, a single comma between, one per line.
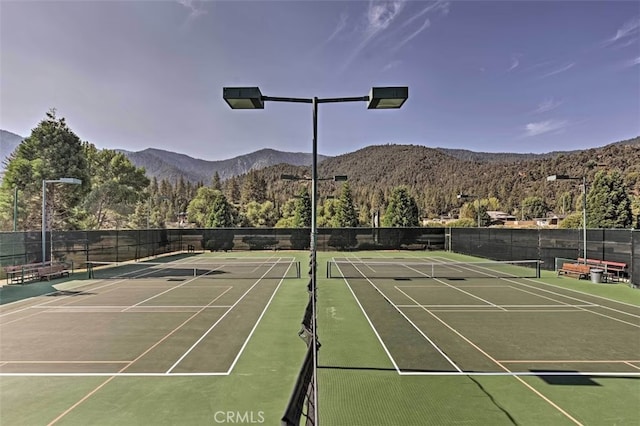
(435,178)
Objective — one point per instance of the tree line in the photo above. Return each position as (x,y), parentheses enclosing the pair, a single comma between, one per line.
(116,194)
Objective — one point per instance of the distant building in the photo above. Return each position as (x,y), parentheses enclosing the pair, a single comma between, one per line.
(550,221)
(500,218)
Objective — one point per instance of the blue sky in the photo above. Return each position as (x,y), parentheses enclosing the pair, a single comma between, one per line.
(503,76)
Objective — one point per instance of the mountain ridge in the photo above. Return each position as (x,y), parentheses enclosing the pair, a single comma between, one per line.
(163,164)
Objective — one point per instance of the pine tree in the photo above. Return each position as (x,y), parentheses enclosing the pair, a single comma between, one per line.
(221,215)
(215,182)
(254,188)
(302,215)
(51,152)
(402,210)
(346,213)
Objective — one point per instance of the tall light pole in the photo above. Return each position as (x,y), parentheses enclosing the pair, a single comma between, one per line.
(467,196)
(252,98)
(72,181)
(554,178)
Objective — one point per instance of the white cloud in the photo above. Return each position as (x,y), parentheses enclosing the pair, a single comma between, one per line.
(424,26)
(535,129)
(547,105)
(514,63)
(628,34)
(392,64)
(378,17)
(381,14)
(559,70)
(192,5)
(342,23)
(629,28)
(382,24)
(633,62)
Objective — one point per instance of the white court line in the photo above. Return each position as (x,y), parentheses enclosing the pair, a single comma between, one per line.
(534,390)
(455,288)
(409,373)
(371,324)
(444,260)
(233,364)
(629,363)
(572,298)
(217,322)
(440,351)
(110,375)
(170,289)
(65,362)
(565,361)
(491,307)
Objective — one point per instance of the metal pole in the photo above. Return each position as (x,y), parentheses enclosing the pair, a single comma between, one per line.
(478,198)
(314,238)
(44,221)
(584,216)
(15,209)
(314,178)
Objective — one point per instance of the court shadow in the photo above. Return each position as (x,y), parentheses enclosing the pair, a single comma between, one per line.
(572,378)
(67,293)
(356,368)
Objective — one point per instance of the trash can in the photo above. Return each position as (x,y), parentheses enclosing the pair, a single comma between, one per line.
(596,276)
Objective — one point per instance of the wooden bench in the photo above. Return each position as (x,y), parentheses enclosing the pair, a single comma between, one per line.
(19,274)
(611,268)
(52,271)
(579,270)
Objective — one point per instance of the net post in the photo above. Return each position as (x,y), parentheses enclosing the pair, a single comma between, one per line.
(538,268)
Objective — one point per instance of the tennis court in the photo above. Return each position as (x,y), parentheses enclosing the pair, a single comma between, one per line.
(178,319)
(421,329)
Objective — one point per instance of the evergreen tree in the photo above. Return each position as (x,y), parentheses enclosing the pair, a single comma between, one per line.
(402,210)
(215,182)
(346,213)
(608,204)
(254,188)
(232,190)
(51,152)
(302,215)
(221,215)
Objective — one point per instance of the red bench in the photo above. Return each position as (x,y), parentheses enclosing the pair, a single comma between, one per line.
(579,270)
(610,267)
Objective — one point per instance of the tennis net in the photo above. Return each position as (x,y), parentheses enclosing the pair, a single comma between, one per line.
(447,270)
(222,269)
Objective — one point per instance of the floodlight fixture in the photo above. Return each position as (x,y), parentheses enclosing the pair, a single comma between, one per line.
(387,97)
(243,97)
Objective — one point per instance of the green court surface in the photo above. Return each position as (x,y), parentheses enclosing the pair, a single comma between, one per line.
(402,348)
(213,339)
(157,348)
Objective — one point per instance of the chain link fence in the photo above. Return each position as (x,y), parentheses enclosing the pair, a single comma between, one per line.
(80,247)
